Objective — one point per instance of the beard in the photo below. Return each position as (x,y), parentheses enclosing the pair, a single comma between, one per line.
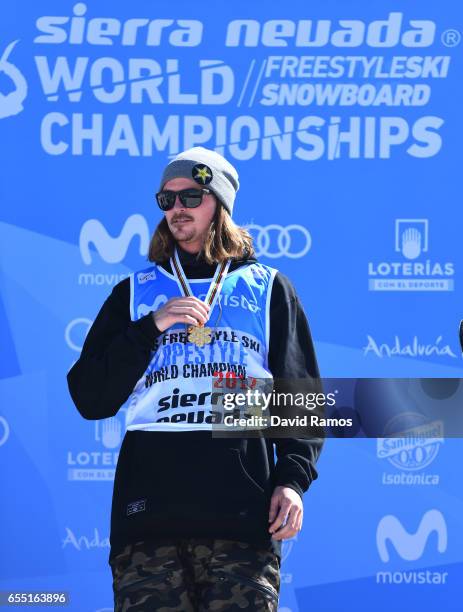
(184,232)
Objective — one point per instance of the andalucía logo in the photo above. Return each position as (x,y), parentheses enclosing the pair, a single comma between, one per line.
(411,347)
(415,271)
(85,542)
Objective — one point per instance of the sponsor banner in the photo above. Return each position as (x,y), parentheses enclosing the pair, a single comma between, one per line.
(344,126)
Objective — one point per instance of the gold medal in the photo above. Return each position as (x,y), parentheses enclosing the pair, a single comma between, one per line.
(199,335)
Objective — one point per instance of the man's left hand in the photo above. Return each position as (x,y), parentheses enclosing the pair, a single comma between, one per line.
(286,511)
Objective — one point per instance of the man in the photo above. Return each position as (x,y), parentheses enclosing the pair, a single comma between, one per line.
(198,519)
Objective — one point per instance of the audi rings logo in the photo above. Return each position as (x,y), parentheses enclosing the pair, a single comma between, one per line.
(275,241)
(4,430)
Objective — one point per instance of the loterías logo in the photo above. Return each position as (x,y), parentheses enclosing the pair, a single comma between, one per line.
(11,103)
(416,271)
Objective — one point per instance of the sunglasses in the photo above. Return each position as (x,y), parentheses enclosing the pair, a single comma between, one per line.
(190,198)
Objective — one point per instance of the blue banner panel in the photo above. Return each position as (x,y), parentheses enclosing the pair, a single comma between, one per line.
(343,120)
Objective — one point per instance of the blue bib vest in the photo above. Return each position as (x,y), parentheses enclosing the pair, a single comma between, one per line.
(174,393)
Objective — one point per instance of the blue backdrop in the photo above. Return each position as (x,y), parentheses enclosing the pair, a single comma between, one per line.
(344,122)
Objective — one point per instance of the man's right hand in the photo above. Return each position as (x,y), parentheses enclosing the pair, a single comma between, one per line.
(190,310)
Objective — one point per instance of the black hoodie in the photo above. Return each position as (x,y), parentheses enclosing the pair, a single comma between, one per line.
(190,484)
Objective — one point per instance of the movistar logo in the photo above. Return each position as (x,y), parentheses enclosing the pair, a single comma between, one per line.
(410,546)
(113,250)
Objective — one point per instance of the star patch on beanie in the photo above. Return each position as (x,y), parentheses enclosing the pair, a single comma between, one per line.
(202,174)
(205,167)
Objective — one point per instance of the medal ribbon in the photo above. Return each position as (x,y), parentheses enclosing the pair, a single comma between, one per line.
(215,287)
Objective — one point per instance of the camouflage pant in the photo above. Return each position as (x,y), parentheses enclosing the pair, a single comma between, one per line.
(195,575)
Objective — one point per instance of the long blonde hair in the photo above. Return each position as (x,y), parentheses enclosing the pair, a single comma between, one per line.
(225,240)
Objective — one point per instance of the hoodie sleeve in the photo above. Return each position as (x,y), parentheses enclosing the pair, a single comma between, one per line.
(115,354)
(294,367)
